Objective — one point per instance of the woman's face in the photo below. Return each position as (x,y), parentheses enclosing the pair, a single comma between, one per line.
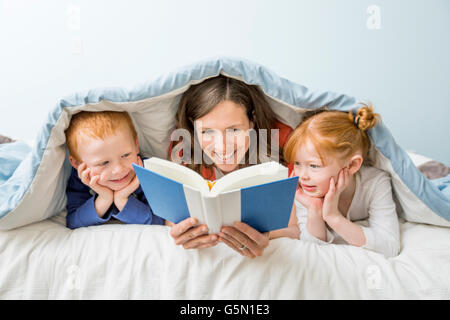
(223,134)
(314,176)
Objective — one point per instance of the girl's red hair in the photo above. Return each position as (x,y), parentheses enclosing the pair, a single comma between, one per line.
(334,134)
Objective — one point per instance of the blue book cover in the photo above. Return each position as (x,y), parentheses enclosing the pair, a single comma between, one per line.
(259,197)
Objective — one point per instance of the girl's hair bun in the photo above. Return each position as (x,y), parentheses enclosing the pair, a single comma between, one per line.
(364,118)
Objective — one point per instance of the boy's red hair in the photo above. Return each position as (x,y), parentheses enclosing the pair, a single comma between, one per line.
(97,125)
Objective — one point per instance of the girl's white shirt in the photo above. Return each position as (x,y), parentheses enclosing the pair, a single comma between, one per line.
(372,207)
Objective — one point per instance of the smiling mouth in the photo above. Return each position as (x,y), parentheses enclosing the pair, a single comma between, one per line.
(308,188)
(121,179)
(226,157)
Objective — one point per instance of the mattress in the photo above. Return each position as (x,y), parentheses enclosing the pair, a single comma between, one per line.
(46,260)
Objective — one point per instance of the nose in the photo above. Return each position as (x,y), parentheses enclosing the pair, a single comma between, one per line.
(222,145)
(118,169)
(303,174)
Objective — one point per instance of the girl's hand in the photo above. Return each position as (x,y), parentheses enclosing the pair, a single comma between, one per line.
(244,239)
(330,209)
(310,203)
(190,236)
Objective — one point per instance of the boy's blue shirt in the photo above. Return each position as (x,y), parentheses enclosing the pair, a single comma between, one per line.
(81,211)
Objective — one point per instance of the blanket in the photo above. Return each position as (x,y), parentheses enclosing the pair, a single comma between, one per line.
(33,179)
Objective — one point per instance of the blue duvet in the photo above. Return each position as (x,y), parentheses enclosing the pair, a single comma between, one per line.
(33,179)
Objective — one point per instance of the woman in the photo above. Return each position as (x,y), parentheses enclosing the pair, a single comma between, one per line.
(219,113)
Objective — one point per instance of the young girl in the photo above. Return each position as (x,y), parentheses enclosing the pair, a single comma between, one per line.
(337,187)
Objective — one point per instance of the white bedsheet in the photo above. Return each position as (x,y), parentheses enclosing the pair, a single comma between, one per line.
(45,260)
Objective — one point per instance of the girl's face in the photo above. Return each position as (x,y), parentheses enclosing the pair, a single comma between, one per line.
(314,176)
(111,158)
(223,134)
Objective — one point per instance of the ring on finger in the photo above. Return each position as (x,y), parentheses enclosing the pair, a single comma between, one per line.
(240,239)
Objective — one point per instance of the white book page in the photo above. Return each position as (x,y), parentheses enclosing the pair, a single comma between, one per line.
(195,204)
(177,172)
(215,212)
(250,176)
(230,207)
(212,213)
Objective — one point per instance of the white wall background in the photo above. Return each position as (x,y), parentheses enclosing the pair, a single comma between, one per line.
(51,48)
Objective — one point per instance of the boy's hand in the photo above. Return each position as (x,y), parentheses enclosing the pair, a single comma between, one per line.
(105,195)
(330,204)
(121,196)
(84,173)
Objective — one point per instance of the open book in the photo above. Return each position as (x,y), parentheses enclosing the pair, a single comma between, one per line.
(261,195)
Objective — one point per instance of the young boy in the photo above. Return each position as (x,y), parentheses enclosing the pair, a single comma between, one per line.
(103,185)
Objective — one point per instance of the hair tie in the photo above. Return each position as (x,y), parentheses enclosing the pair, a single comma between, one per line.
(356,123)
(356,120)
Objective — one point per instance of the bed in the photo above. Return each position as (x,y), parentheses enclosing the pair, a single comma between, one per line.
(42,259)
(46,260)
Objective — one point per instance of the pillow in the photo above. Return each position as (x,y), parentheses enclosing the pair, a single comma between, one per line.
(4,139)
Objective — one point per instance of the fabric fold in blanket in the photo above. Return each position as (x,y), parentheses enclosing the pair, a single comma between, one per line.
(443,184)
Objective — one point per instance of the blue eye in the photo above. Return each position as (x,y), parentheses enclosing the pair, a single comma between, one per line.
(234,130)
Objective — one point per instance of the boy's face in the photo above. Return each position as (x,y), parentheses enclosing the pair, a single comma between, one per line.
(314,176)
(111,158)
